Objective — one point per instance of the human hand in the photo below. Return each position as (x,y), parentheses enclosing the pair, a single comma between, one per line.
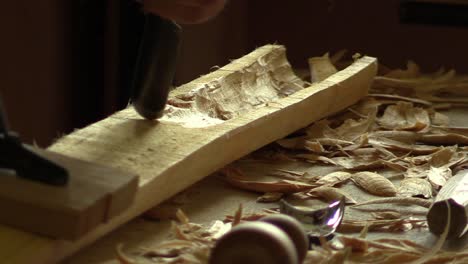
(185,11)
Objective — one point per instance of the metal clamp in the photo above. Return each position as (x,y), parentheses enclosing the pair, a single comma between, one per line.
(26,163)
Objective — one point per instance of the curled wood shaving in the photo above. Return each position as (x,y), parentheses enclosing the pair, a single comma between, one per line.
(283,186)
(321,68)
(391,144)
(334,178)
(387,214)
(314,146)
(248,217)
(320,129)
(425,84)
(438,176)
(291,175)
(182,217)
(352,129)
(401,98)
(397,200)
(408,137)
(415,187)
(237,216)
(374,183)
(403,116)
(315,158)
(418,171)
(121,257)
(443,138)
(331,194)
(236,178)
(219,228)
(439,119)
(383,225)
(395,165)
(396,210)
(270,197)
(442,157)
(358,162)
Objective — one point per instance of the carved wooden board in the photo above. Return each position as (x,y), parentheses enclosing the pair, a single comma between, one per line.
(209,123)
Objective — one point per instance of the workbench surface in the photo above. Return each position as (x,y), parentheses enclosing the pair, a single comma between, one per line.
(212,199)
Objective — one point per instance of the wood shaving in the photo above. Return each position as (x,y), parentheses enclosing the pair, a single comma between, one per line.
(438,176)
(382,225)
(439,119)
(401,98)
(394,145)
(397,200)
(374,183)
(358,162)
(388,214)
(237,216)
(403,116)
(270,197)
(236,178)
(321,68)
(292,143)
(396,127)
(316,158)
(290,175)
(121,257)
(352,129)
(437,137)
(415,187)
(407,137)
(334,178)
(331,194)
(314,146)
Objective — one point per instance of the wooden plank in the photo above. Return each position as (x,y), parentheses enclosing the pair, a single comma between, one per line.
(222,116)
(67,212)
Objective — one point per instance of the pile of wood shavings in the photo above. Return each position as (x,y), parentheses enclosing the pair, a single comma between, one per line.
(192,244)
(397,129)
(397,132)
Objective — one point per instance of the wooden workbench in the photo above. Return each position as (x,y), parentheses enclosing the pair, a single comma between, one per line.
(212,199)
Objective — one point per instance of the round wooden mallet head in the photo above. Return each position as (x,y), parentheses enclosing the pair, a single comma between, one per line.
(295,231)
(254,243)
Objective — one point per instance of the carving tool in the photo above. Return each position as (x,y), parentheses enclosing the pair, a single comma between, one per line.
(455,194)
(155,66)
(282,238)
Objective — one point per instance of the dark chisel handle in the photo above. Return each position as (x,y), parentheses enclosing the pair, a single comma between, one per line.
(155,67)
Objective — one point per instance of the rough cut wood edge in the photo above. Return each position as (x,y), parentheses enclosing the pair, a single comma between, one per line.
(170,158)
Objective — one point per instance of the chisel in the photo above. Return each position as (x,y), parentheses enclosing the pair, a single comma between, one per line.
(155,66)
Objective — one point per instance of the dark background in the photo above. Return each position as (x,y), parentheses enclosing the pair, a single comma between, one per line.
(38,50)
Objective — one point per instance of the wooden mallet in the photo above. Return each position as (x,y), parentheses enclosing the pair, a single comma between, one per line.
(455,194)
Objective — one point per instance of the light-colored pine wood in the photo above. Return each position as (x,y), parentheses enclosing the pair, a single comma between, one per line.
(170,155)
(93,195)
